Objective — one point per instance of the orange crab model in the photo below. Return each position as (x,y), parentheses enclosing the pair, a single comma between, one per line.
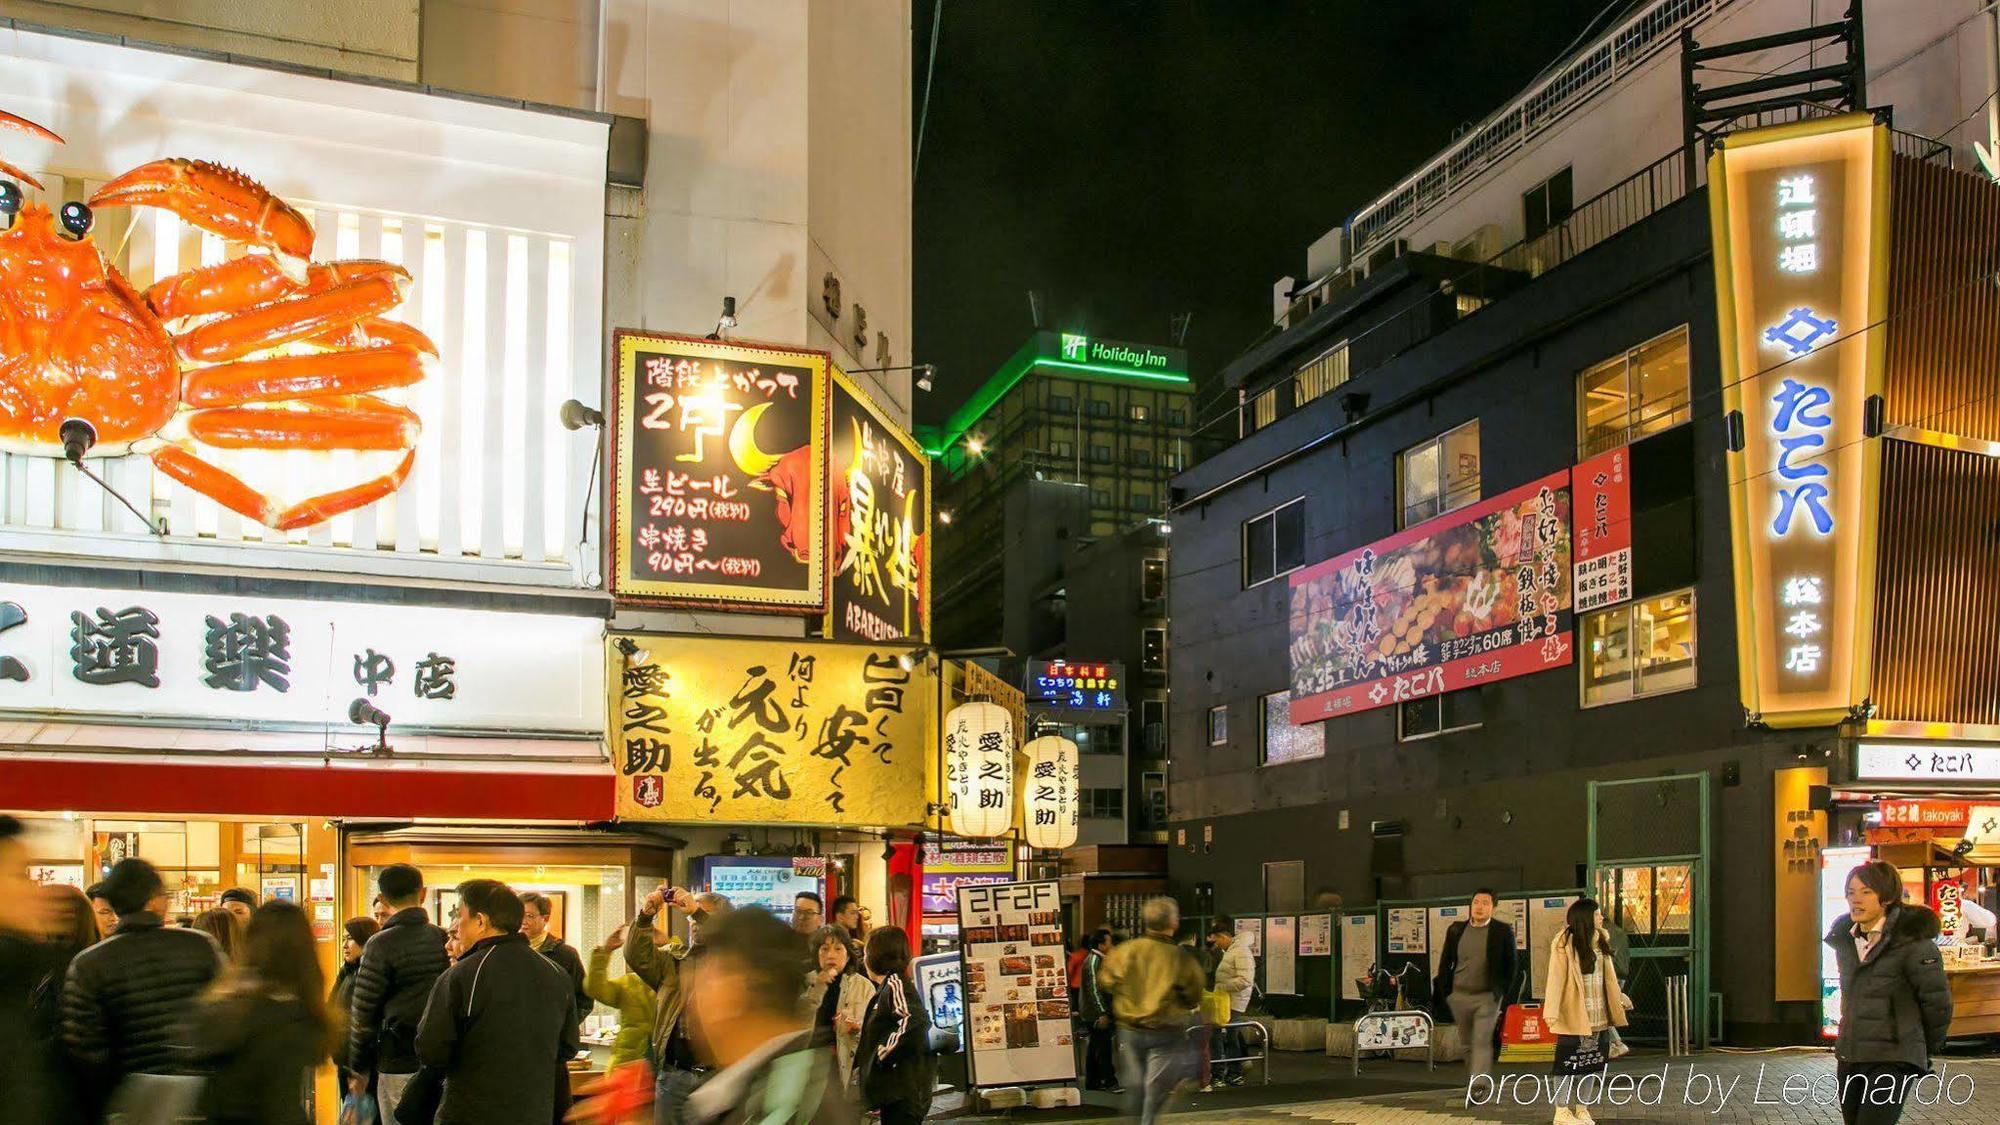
(268,351)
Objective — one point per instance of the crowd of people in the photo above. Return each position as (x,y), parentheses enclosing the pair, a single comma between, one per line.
(111,1011)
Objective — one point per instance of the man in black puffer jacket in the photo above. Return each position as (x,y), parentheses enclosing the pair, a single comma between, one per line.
(391,986)
(502,1022)
(127,999)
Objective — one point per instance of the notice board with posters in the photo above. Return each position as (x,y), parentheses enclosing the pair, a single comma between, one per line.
(878,536)
(769,730)
(719,477)
(1017,1002)
(1477,594)
(1281,955)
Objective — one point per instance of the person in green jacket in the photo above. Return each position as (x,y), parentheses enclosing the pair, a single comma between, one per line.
(631,996)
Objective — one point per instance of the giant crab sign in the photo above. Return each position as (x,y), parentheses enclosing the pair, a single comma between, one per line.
(266,351)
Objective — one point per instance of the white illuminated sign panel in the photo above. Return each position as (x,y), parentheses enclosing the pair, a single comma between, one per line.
(1926,761)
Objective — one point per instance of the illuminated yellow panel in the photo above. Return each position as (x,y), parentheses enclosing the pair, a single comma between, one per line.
(1800,215)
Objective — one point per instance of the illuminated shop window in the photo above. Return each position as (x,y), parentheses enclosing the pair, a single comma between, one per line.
(1639,392)
(1640,648)
(1439,475)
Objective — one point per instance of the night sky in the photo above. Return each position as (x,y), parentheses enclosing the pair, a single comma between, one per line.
(1135,159)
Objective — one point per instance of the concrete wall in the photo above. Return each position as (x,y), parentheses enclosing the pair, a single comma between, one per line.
(535,50)
(376,38)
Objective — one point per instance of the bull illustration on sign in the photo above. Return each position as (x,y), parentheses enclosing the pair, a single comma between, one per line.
(266,350)
(789,477)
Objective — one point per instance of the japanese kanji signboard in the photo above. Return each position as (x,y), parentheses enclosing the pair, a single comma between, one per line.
(770,731)
(94,654)
(1800,215)
(1602,487)
(720,474)
(1477,594)
(879,542)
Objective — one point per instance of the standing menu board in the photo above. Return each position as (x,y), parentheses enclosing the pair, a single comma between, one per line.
(1281,956)
(1017,1003)
(878,541)
(1357,952)
(719,480)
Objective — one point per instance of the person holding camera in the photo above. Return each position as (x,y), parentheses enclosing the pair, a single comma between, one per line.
(665,966)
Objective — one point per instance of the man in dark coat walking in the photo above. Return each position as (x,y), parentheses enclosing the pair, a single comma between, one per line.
(1475,978)
(1895,1003)
(501,1023)
(127,1000)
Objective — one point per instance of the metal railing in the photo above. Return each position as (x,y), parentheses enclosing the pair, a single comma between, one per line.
(1597,68)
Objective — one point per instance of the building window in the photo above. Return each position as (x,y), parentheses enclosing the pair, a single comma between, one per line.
(1100,408)
(1143,458)
(1153,715)
(1100,453)
(1152,579)
(1546,204)
(1325,372)
(1218,725)
(1142,501)
(1264,408)
(1627,397)
(1639,648)
(1061,404)
(1100,498)
(1153,650)
(1284,742)
(1439,475)
(1274,543)
(1139,412)
(1176,416)
(1439,714)
(1468,303)
(1104,804)
(1062,449)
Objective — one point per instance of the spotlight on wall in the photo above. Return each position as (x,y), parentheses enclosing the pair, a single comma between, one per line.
(975,446)
(924,373)
(908,661)
(727,320)
(576,416)
(944,516)
(634,654)
(77,437)
(365,714)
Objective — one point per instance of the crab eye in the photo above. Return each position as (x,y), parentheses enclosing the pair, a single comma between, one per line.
(10,203)
(76,219)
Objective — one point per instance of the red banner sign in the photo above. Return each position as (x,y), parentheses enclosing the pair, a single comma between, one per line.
(1478,594)
(1925,814)
(1602,487)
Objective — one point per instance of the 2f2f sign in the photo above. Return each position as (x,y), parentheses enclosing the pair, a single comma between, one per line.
(1010,897)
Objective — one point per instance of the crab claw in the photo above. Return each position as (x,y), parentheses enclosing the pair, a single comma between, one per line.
(23,125)
(217,199)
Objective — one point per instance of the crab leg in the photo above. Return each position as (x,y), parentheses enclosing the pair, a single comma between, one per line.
(227,489)
(254,279)
(217,199)
(285,377)
(343,422)
(376,332)
(281,322)
(23,125)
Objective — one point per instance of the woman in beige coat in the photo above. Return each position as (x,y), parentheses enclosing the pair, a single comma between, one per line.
(1582,1002)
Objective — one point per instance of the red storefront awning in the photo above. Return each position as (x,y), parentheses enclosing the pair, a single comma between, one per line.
(367,790)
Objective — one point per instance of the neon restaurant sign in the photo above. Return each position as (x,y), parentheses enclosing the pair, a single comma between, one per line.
(1801,215)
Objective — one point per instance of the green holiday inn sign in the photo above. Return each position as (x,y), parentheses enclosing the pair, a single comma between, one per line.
(1082,349)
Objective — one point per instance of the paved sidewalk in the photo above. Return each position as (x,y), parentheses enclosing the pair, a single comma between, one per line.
(1716,1086)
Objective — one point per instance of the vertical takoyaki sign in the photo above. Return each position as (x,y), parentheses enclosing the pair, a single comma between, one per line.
(1479,594)
(878,537)
(720,476)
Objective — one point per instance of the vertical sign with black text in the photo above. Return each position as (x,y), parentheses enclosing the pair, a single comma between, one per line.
(878,539)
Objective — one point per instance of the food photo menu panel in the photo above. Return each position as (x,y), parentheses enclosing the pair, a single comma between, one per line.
(1017,1001)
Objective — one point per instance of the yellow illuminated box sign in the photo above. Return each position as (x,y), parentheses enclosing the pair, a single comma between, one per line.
(770,731)
(1801,216)
(879,499)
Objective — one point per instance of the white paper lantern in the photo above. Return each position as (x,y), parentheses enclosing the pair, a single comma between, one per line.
(979,769)
(1050,798)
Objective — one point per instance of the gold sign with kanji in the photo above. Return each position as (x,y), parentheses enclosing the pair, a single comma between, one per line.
(769,731)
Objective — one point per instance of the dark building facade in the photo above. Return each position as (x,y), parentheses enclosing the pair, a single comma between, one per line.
(1623,762)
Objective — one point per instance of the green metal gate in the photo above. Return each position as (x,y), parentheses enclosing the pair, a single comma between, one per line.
(1649,870)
